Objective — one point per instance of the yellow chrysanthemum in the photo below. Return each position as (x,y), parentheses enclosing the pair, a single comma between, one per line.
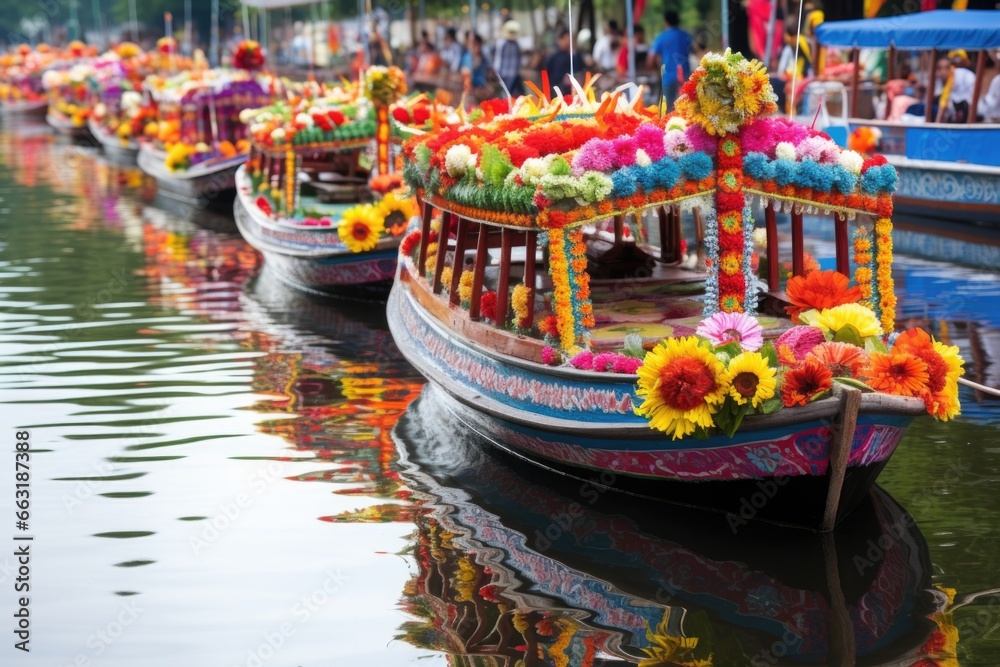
(465,285)
(750,379)
(952,357)
(360,228)
(834,319)
(682,385)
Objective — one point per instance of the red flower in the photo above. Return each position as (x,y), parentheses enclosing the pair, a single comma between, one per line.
(336,116)
(402,114)
(488,306)
(819,290)
(803,383)
(873,161)
(410,242)
(421,114)
(323,122)
(549,326)
(264,205)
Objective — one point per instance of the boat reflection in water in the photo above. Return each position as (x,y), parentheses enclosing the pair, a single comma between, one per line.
(512,568)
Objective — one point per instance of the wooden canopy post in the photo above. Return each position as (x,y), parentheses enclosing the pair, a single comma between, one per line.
(771,224)
(843,246)
(619,228)
(977,88)
(798,245)
(661,214)
(855,76)
(931,83)
(699,229)
(530,248)
(442,251)
(458,263)
(479,270)
(503,283)
(675,234)
(425,233)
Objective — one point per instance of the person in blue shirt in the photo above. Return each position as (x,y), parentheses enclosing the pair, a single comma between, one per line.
(475,69)
(670,51)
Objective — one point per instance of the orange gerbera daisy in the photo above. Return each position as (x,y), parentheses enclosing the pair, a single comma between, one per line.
(944,404)
(920,344)
(801,384)
(897,373)
(843,359)
(819,290)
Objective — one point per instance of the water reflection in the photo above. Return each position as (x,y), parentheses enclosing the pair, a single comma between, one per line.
(517,568)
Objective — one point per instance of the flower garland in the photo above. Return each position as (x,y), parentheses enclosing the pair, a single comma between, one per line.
(291,184)
(863,263)
(562,292)
(885,306)
(753,284)
(711,224)
(583,309)
(733,264)
(520,301)
(382,138)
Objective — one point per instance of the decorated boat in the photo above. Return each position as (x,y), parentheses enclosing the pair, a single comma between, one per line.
(198,142)
(307,157)
(949,167)
(122,110)
(512,563)
(547,291)
(21,90)
(66,83)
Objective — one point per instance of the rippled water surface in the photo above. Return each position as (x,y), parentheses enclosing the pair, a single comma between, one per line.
(227,473)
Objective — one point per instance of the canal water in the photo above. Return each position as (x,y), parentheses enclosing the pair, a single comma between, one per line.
(226,472)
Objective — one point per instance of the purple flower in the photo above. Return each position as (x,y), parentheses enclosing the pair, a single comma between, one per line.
(594,155)
(700,140)
(800,341)
(724,328)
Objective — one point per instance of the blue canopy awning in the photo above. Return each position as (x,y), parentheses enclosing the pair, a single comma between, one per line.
(939,29)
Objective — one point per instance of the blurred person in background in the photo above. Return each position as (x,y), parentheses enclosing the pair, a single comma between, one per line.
(606,47)
(560,63)
(451,50)
(641,51)
(507,58)
(475,70)
(670,53)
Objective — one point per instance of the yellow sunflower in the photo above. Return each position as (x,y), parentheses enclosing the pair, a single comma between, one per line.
(834,319)
(360,228)
(750,379)
(396,212)
(682,385)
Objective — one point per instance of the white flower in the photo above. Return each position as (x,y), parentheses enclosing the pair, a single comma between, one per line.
(676,123)
(246,115)
(642,158)
(852,161)
(533,169)
(456,160)
(257,127)
(304,119)
(278,134)
(785,150)
(131,100)
(760,237)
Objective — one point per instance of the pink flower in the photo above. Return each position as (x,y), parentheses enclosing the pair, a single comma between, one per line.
(788,130)
(675,143)
(624,151)
(700,140)
(549,357)
(594,155)
(818,149)
(583,361)
(627,365)
(797,342)
(723,328)
(650,139)
(760,137)
(604,361)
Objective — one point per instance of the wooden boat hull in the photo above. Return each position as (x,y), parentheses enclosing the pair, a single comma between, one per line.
(65,127)
(551,543)
(123,153)
(37,109)
(203,184)
(313,259)
(775,469)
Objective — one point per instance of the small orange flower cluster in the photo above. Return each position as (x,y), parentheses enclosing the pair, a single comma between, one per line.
(863,260)
(581,279)
(883,273)
(562,294)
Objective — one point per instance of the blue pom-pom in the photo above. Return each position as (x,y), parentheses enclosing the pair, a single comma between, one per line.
(646,177)
(844,181)
(882,178)
(784,171)
(666,172)
(696,166)
(623,183)
(758,167)
(811,174)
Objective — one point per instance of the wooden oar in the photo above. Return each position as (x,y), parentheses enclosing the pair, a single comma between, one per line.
(980,387)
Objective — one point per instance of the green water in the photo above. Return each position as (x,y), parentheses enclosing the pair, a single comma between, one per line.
(215,481)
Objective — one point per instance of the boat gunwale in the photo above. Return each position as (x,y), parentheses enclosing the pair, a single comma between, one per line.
(150,160)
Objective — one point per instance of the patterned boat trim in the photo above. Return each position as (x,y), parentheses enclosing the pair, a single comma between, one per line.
(948,186)
(319,273)
(793,450)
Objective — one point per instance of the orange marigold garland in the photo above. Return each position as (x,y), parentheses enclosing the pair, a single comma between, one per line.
(863,263)
(884,294)
(562,288)
(583,309)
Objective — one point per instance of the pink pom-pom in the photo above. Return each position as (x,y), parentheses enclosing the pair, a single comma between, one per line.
(624,152)
(627,365)
(548,356)
(583,361)
(700,140)
(650,139)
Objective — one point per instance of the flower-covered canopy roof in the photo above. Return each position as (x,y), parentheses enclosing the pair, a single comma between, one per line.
(313,117)
(559,162)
